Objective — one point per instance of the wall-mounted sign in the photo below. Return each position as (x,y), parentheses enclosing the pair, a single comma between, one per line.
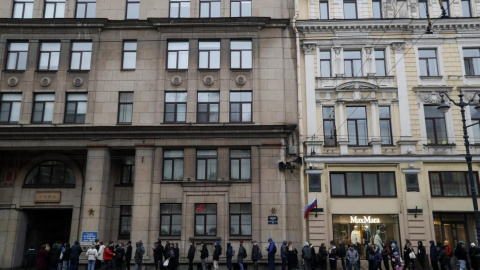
(365,219)
(47,197)
(89,237)
(272,220)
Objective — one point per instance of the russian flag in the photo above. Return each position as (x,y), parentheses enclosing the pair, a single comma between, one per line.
(310,207)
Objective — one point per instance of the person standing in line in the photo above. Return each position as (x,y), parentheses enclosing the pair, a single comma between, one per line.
(256,254)
(30,259)
(386,256)
(284,254)
(378,257)
(42,258)
(92,255)
(176,254)
(204,256)
(119,254)
(307,256)
(272,250)
(370,255)
(434,253)
(191,255)
(75,255)
(342,252)
(54,256)
(442,258)
(323,256)
(242,254)
(229,254)
(292,256)
(157,254)
(421,253)
(333,255)
(448,250)
(313,261)
(216,254)
(108,256)
(351,258)
(128,255)
(166,252)
(471,255)
(138,258)
(172,259)
(461,254)
(100,262)
(409,259)
(66,256)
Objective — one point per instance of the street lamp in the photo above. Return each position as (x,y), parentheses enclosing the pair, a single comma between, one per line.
(444,107)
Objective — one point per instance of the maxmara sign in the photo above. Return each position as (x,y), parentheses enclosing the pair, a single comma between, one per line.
(365,219)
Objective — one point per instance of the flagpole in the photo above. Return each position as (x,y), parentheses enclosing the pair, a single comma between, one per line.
(316,210)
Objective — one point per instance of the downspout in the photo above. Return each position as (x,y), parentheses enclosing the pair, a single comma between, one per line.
(300,119)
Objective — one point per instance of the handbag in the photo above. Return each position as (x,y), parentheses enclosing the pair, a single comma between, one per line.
(166,262)
(412,255)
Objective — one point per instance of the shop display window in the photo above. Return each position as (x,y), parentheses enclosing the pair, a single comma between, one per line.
(364,229)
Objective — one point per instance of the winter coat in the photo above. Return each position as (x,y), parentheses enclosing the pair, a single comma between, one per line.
(283,250)
(377,258)
(54,255)
(158,252)
(370,253)
(76,251)
(306,253)
(108,254)
(66,253)
(352,256)
(138,253)
(91,254)
(191,253)
(42,259)
(119,253)
(100,252)
(434,251)
(421,252)
(128,254)
(30,258)
(272,250)
(292,258)
(322,254)
(204,252)
(385,251)
(229,253)
(406,254)
(342,251)
(217,252)
(443,257)
(314,261)
(333,253)
(448,250)
(256,253)
(241,254)
(166,251)
(461,253)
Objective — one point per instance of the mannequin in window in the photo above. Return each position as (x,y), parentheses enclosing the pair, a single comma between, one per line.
(355,235)
(378,240)
(366,234)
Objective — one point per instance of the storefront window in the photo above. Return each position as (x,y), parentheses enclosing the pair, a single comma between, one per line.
(454,227)
(364,229)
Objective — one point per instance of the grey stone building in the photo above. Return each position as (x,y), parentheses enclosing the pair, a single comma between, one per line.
(145,120)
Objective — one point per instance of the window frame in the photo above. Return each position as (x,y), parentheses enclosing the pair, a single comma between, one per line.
(310,189)
(17,52)
(323,60)
(469,8)
(241,107)
(206,159)
(389,119)
(177,52)
(176,108)
(239,214)
(240,164)
(426,9)
(55,3)
(179,2)
(357,143)
(330,119)
(241,51)
(49,56)
(209,51)
(447,7)
(427,59)
(120,235)
(132,2)
(131,179)
(352,61)
(43,108)
(197,205)
(120,104)
(363,185)
(173,159)
(209,8)
(320,2)
(379,6)
(356,9)
(50,166)
(124,51)
(208,104)
(10,102)
(241,9)
(23,3)
(170,215)
(81,55)
(434,124)
(86,3)
(476,127)
(76,107)
(383,59)
(471,66)
(467,183)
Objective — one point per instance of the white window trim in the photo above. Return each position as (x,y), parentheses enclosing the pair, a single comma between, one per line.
(448,123)
(440,67)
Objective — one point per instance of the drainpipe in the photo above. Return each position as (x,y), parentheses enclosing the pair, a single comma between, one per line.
(300,119)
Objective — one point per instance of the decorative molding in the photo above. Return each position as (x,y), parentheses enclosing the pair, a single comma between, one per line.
(369,50)
(309,49)
(470,95)
(12,81)
(337,50)
(77,82)
(176,80)
(208,80)
(45,81)
(398,46)
(429,98)
(356,85)
(241,79)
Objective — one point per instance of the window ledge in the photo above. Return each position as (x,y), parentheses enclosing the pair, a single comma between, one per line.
(472,76)
(431,77)
(450,145)
(13,71)
(78,71)
(43,186)
(206,238)
(359,148)
(240,237)
(124,185)
(170,237)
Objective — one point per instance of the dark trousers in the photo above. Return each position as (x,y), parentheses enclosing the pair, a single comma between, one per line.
(127,263)
(284,263)
(323,264)
(386,263)
(190,264)
(271,263)
(333,264)
(342,259)
(118,264)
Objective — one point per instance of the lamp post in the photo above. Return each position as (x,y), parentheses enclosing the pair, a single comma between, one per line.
(444,107)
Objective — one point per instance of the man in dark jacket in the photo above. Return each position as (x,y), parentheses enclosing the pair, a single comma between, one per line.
(421,253)
(472,256)
(307,256)
(128,254)
(157,253)
(54,255)
(284,254)
(30,259)
(191,255)
(333,255)
(256,254)
(138,258)
(342,252)
(216,255)
(272,250)
(75,255)
(462,256)
(119,254)
(434,253)
(204,256)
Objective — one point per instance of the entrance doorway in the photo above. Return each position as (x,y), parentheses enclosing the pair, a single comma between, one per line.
(46,226)
(453,227)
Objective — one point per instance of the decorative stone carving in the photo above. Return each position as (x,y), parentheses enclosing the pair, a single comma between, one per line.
(241,79)
(337,50)
(12,81)
(208,80)
(369,50)
(77,82)
(398,46)
(471,96)
(309,48)
(176,80)
(430,98)
(357,85)
(45,81)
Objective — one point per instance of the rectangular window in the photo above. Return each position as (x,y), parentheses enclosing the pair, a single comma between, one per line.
(329,129)
(240,106)
(17,55)
(377,9)
(451,184)
(475,117)
(412,182)
(81,56)
(241,8)
(205,219)
(428,62)
(325,64)
(323,6)
(241,219)
(22,9)
(349,9)
(314,183)
(10,108)
(125,222)
(129,55)
(208,107)
(466,9)
(435,125)
(380,62)
(385,125)
(76,108)
(127,171)
(54,9)
(171,219)
(209,8)
(133,9)
(43,108)
(422,9)
(177,55)
(353,63)
(49,56)
(86,8)
(471,60)
(363,184)
(209,54)
(173,165)
(125,107)
(240,165)
(175,107)
(207,165)
(446,7)
(179,8)
(357,126)
(241,54)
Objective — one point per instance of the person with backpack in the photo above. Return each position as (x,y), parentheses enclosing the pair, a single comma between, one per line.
(119,254)
(323,256)
(76,250)
(434,253)
(138,258)
(242,254)
(352,258)
(284,254)
(272,250)
(342,252)
(216,255)
(191,255)
(462,256)
(256,254)
(229,254)
(204,256)
(333,255)
(378,258)
(307,256)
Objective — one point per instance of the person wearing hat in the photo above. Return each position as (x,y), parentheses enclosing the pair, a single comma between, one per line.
(216,254)
(333,254)
(284,254)
(434,253)
(256,254)
(242,254)
(272,250)
(461,254)
(471,255)
(307,256)
(229,254)
(191,255)
(448,251)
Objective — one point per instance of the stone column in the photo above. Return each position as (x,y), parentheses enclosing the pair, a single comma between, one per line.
(343,141)
(141,208)
(97,182)
(309,51)
(376,142)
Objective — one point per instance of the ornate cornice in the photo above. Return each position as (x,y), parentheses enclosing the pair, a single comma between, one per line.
(356,86)
(309,48)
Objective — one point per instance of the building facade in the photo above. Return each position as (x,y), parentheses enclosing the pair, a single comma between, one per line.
(382,161)
(145,120)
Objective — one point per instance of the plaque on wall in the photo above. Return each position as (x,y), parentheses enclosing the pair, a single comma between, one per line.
(48,196)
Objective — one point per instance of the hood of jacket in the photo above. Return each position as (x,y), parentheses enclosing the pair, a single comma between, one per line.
(285,242)
(138,245)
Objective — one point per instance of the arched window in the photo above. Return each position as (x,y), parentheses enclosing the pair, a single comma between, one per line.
(51,174)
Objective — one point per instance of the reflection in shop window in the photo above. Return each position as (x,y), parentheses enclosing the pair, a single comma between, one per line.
(171,219)
(454,227)
(50,174)
(363,228)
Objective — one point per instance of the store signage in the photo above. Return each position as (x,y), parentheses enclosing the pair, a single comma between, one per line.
(272,220)
(48,196)
(365,219)
(89,236)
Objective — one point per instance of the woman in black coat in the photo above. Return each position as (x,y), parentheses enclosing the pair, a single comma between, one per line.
(292,256)
(421,254)
(314,261)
